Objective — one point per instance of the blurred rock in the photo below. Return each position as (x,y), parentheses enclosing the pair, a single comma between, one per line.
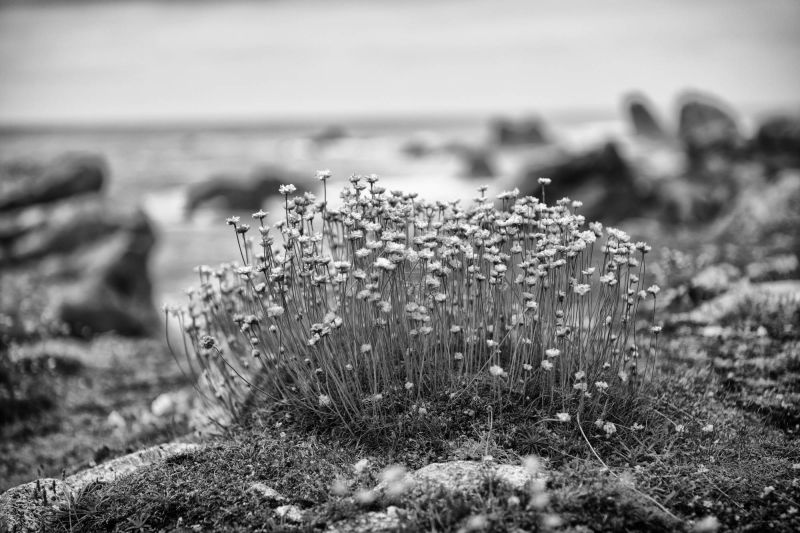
(764,219)
(777,143)
(85,260)
(115,292)
(740,296)
(708,129)
(231,192)
(329,134)
(600,178)
(642,119)
(421,144)
(476,163)
(64,177)
(775,267)
(526,131)
(713,281)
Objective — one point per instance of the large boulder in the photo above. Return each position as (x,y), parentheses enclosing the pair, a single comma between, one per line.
(643,120)
(777,142)
(235,193)
(708,129)
(64,177)
(601,178)
(114,293)
(529,131)
(764,220)
(26,507)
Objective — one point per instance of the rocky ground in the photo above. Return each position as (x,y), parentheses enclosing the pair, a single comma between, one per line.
(84,381)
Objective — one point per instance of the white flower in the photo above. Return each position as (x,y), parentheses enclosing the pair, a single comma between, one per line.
(323,175)
(679,428)
(458,356)
(601,385)
(455,329)
(707,428)
(545,181)
(581,289)
(609,428)
(552,352)
(384,264)
(653,289)
(409,385)
(497,370)
(547,365)
(275,310)
(527,367)
(563,417)
(637,426)
(655,329)
(365,348)
(580,375)
(324,400)
(286,190)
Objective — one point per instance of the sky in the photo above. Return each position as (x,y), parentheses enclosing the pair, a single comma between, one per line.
(134,61)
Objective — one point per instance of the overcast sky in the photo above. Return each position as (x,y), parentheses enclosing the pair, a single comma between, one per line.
(145,61)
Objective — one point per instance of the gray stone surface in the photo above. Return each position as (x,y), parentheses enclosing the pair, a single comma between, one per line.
(22,508)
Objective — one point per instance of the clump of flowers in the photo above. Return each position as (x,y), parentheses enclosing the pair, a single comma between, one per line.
(357,312)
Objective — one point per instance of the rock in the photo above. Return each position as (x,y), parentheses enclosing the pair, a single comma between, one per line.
(377,522)
(476,163)
(66,176)
(777,143)
(713,281)
(23,508)
(67,228)
(290,513)
(114,292)
(267,492)
(764,219)
(642,119)
(776,267)
(462,476)
(234,193)
(707,127)
(529,131)
(600,178)
(714,311)
(330,134)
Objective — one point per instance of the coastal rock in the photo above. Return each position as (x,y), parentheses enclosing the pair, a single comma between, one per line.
(234,193)
(713,281)
(528,131)
(23,508)
(114,292)
(476,163)
(764,218)
(601,178)
(643,120)
(777,142)
(67,176)
(714,311)
(707,127)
